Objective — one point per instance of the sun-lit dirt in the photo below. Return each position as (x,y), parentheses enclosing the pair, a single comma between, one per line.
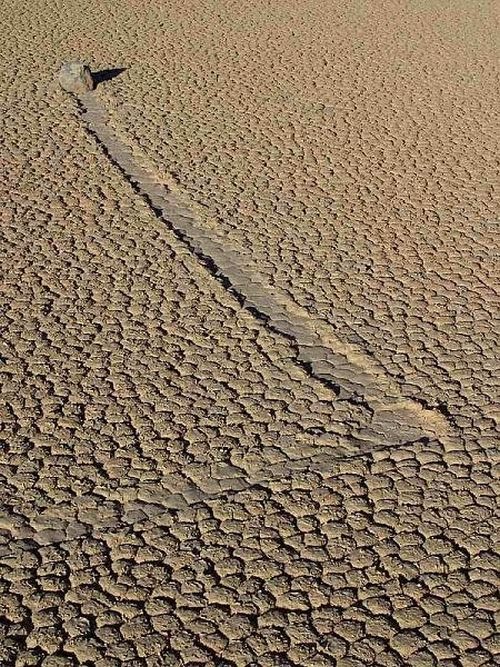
(262,430)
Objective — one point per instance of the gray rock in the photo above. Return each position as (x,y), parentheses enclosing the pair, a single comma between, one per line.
(75,78)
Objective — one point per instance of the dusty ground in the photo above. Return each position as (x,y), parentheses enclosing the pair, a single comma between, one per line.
(178,486)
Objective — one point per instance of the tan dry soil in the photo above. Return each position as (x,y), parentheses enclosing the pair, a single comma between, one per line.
(181,481)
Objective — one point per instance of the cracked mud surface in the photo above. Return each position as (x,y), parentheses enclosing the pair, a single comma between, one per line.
(183,482)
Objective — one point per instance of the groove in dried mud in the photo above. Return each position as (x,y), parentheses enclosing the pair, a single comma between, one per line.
(348,373)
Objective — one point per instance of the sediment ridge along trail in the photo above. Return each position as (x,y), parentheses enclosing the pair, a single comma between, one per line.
(130,377)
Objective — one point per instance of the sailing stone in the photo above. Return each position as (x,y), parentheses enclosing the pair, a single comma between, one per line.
(75,78)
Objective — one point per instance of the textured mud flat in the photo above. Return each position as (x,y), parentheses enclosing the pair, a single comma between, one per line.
(182,482)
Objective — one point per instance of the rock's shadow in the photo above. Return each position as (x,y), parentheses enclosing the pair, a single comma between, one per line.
(107,74)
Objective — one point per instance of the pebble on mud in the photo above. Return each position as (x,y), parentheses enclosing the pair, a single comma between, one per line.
(76,78)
